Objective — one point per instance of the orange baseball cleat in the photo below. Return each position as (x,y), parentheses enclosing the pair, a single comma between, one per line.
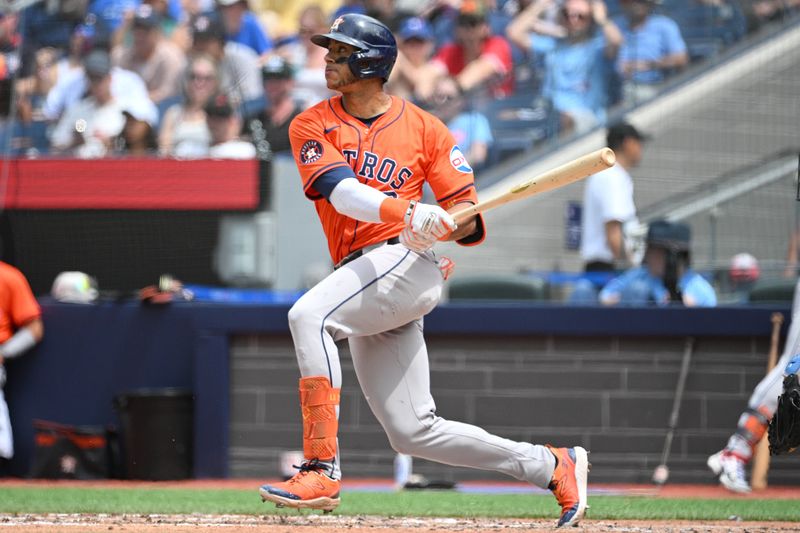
(569,483)
(310,488)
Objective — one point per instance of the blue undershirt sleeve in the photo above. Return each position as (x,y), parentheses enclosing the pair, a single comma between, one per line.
(328,180)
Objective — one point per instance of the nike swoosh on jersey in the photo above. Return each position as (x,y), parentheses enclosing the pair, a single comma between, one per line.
(328,130)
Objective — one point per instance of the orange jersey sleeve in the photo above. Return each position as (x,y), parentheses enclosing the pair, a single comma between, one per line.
(18,306)
(400,151)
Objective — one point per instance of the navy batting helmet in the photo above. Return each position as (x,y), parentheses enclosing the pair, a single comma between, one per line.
(377,49)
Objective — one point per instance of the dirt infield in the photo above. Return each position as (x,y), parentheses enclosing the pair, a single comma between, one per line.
(332,523)
(349,524)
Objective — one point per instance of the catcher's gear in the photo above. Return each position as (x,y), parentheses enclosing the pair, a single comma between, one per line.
(377,48)
(784,429)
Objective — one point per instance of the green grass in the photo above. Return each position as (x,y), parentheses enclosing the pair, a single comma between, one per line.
(422,504)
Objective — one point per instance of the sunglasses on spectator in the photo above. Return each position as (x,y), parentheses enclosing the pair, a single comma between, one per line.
(575,15)
(195,76)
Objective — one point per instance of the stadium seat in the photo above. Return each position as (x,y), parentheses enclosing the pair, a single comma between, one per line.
(518,123)
(773,290)
(498,287)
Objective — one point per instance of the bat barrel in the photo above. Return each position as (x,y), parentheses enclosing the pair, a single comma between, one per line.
(565,174)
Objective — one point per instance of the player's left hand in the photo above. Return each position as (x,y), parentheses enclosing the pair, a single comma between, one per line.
(417,242)
(427,219)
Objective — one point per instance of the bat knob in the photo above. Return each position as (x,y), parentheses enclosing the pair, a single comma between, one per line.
(608,157)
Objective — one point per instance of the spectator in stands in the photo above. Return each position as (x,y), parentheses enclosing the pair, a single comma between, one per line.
(310,86)
(9,68)
(47,24)
(184,131)
(386,11)
(577,62)
(138,136)
(653,48)
(72,84)
(242,26)
(414,49)
(608,203)
(237,64)
(89,125)
(224,123)
(476,60)
(159,62)
(665,276)
(743,273)
(470,128)
(32,90)
(272,124)
(760,12)
(21,329)
(80,44)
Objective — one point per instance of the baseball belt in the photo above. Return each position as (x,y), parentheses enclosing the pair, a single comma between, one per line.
(361,251)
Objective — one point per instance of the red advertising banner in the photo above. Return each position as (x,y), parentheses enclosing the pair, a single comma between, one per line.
(138,184)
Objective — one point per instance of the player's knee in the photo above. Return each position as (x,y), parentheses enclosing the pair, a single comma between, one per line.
(402,442)
(301,316)
(409,437)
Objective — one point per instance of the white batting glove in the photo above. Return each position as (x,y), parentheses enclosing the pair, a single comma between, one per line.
(417,242)
(427,219)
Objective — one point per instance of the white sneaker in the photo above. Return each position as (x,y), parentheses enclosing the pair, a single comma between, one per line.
(731,471)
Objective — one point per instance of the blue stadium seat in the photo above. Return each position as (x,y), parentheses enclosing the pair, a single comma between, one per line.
(518,123)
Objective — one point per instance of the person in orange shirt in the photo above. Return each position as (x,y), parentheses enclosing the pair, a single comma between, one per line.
(363,159)
(21,329)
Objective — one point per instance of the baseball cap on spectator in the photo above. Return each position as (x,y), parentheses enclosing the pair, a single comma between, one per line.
(97,64)
(146,17)
(276,68)
(621,131)
(208,26)
(226,3)
(472,13)
(670,235)
(415,28)
(142,109)
(220,105)
(744,268)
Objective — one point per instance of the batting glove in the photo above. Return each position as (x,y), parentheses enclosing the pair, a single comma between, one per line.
(417,242)
(427,219)
(446,266)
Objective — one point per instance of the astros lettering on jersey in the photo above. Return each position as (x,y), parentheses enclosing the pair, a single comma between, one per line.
(401,150)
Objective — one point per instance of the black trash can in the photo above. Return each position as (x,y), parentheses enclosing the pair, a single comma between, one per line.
(157,433)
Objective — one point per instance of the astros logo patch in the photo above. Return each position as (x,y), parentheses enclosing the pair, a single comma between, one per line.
(311,151)
(458,160)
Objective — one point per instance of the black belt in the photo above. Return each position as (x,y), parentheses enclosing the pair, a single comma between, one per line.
(361,251)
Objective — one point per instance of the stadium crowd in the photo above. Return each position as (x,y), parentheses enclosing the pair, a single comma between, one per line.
(177,78)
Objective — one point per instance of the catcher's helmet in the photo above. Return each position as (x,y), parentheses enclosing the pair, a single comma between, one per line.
(377,49)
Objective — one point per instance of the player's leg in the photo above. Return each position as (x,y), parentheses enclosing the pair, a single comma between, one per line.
(392,368)
(359,299)
(730,463)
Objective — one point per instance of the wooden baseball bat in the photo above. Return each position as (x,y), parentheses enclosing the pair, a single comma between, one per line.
(761,457)
(565,174)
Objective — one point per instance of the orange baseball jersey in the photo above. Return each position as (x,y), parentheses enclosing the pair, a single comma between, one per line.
(397,154)
(17,303)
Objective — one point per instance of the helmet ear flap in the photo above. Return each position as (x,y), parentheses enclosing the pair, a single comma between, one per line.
(370,63)
(362,63)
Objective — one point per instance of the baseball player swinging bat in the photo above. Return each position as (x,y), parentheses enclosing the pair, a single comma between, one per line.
(565,174)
